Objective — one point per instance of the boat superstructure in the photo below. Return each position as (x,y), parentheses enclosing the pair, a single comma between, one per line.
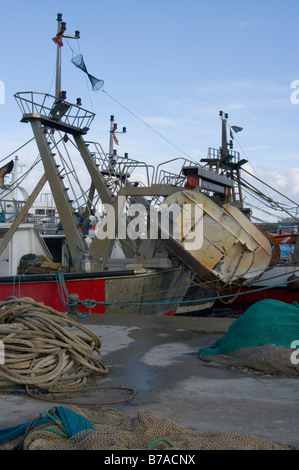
(165,244)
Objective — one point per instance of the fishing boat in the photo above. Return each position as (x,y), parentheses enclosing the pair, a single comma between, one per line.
(166,245)
(286,238)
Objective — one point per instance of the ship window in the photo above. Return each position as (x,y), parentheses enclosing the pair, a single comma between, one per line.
(39,211)
(50,212)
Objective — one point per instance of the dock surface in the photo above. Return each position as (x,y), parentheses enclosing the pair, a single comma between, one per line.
(157,357)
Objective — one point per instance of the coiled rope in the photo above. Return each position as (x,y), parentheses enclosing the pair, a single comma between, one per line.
(41,350)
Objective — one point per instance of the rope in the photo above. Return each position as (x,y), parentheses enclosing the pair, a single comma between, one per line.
(62,289)
(230,301)
(41,350)
(17,285)
(45,397)
(159,439)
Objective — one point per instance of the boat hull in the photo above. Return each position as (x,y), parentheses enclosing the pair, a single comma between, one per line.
(280,283)
(156,292)
(284,238)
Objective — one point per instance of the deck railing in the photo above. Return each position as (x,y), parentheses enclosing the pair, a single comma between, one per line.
(57,110)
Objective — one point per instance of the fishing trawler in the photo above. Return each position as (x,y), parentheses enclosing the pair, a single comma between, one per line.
(165,245)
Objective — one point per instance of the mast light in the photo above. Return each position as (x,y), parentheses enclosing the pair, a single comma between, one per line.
(62,95)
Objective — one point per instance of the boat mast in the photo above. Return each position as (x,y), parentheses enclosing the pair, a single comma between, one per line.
(224,150)
(111,136)
(230,160)
(61,27)
(113,132)
(58,60)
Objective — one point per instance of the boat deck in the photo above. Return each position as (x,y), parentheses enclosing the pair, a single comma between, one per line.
(157,357)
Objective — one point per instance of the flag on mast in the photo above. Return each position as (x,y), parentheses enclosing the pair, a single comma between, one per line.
(58,39)
(115,139)
(237,128)
(113,133)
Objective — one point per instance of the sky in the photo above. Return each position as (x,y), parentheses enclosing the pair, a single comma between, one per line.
(168,67)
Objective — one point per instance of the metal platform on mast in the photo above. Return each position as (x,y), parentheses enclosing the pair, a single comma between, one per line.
(55,113)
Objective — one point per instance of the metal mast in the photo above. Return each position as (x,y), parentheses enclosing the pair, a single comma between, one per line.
(61,28)
(58,59)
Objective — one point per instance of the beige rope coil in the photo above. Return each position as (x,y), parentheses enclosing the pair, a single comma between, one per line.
(42,350)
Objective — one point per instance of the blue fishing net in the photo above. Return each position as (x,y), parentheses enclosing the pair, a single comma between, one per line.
(95,82)
(73,423)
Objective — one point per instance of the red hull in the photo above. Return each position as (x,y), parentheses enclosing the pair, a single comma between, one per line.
(251,295)
(99,292)
(49,292)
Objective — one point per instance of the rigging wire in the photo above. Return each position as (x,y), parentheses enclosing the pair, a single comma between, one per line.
(269,202)
(52,80)
(17,183)
(266,212)
(129,111)
(278,192)
(238,139)
(150,127)
(265,185)
(268,199)
(12,153)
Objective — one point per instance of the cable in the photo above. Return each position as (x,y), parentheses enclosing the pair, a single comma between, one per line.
(12,153)
(151,128)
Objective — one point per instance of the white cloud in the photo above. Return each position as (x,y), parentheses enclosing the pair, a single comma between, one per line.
(293,181)
(280,179)
(242,24)
(245,23)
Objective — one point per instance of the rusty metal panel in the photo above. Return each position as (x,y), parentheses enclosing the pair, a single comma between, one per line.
(263,252)
(227,251)
(275,249)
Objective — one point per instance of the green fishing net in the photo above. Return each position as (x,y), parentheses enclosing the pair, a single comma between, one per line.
(262,338)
